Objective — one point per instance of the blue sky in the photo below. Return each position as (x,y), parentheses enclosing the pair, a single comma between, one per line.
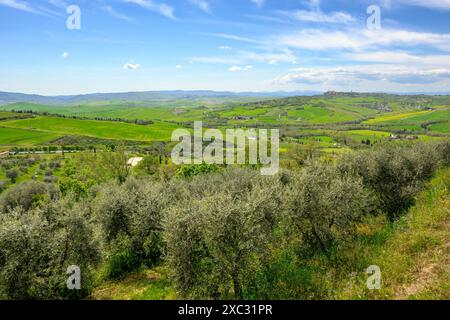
(237,45)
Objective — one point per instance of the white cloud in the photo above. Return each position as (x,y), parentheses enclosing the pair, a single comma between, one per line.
(19,5)
(320,17)
(225,48)
(347,75)
(430,4)
(131,66)
(65,55)
(259,3)
(202,5)
(59,3)
(231,37)
(395,57)
(271,57)
(113,13)
(161,8)
(246,57)
(179,66)
(434,4)
(356,39)
(236,68)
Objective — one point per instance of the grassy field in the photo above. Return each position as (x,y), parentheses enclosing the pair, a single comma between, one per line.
(413,254)
(352,119)
(99,129)
(20,137)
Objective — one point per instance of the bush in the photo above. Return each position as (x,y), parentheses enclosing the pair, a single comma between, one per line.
(395,173)
(12,175)
(27,195)
(50,179)
(324,206)
(130,218)
(218,235)
(37,247)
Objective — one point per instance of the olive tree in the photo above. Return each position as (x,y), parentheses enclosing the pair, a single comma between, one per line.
(325,206)
(218,235)
(395,173)
(129,216)
(37,247)
(27,195)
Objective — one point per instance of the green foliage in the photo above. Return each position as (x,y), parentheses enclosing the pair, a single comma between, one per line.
(217,235)
(324,205)
(395,172)
(12,175)
(190,171)
(130,218)
(37,247)
(27,195)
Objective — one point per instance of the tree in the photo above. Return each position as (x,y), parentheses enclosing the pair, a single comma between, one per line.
(27,195)
(37,247)
(12,175)
(218,236)
(116,161)
(325,206)
(130,219)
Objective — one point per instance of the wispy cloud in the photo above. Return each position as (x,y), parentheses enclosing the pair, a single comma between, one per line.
(113,13)
(353,74)
(236,68)
(231,37)
(359,39)
(320,17)
(202,5)
(161,8)
(224,48)
(19,5)
(65,55)
(259,3)
(58,3)
(430,4)
(131,66)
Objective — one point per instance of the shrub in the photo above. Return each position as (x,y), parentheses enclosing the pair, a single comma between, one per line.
(50,179)
(325,206)
(394,173)
(27,195)
(218,235)
(130,215)
(37,247)
(12,175)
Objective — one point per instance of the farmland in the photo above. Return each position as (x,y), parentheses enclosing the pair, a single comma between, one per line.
(99,129)
(72,162)
(342,118)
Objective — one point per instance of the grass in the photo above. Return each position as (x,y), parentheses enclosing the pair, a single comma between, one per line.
(395,117)
(143,285)
(25,138)
(413,253)
(99,129)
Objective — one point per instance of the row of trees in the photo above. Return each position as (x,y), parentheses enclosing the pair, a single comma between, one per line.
(135,121)
(217,233)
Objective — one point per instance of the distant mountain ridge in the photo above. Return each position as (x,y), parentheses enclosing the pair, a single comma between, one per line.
(11,97)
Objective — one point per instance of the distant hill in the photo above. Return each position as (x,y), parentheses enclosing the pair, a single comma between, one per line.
(9,97)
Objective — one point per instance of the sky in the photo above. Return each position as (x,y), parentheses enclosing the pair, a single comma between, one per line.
(224,45)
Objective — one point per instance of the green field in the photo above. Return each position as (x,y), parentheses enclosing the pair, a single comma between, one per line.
(98,129)
(346,118)
(19,137)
